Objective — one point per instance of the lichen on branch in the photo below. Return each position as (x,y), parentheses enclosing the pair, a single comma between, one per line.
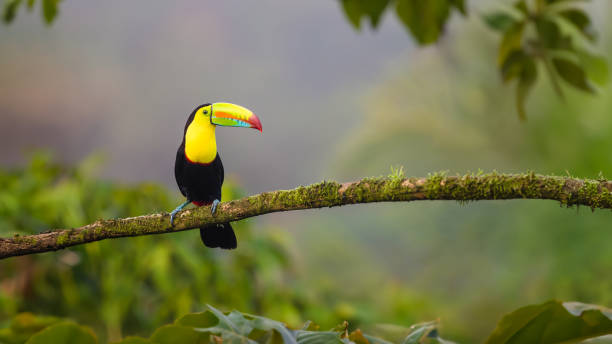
(566,190)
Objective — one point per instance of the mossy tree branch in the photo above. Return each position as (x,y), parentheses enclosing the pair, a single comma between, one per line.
(568,191)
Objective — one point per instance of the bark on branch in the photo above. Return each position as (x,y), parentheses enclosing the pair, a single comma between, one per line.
(568,191)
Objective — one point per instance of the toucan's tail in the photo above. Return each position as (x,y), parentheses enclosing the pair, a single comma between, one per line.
(219,235)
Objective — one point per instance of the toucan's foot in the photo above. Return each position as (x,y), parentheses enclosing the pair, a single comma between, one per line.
(179,208)
(213,208)
(172,217)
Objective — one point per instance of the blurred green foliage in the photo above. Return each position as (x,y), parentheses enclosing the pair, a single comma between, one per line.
(547,323)
(48,9)
(216,326)
(424,19)
(553,322)
(129,286)
(23,326)
(444,110)
(558,34)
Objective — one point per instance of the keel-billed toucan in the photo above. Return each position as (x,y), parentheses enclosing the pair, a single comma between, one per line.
(198,168)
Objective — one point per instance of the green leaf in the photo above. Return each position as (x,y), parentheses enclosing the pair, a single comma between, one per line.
(30,323)
(424,19)
(426,332)
(581,21)
(549,34)
(322,337)
(553,322)
(577,308)
(374,10)
(266,324)
(511,41)
(352,10)
(514,65)
(559,6)
(23,326)
(420,332)
(242,325)
(10,10)
(169,334)
(375,340)
(499,21)
(134,340)
(204,319)
(232,328)
(527,79)
(572,37)
(236,327)
(390,333)
(518,12)
(573,74)
(565,55)
(355,10)
(596,67)
(459,5)
(226,335)
(64,333)
(522,7)
(49,9)
(228,323)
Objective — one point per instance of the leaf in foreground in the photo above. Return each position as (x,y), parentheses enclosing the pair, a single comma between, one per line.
(62,333)
(553,322)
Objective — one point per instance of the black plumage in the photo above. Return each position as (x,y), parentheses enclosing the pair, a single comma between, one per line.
(201,185)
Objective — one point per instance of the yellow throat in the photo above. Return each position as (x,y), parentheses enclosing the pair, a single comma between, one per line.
(200,141)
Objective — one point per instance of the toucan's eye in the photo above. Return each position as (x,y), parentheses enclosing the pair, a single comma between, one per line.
(205,112)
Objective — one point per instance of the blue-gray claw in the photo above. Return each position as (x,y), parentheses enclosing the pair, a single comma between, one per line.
(179,208)
(213,208)
(172,217)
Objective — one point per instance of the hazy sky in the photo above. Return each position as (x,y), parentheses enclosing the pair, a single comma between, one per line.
(121,78)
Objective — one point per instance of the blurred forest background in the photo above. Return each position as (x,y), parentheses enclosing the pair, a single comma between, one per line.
(105,92)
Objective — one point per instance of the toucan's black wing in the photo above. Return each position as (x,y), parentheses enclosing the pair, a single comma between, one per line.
(179,169)
(180,162)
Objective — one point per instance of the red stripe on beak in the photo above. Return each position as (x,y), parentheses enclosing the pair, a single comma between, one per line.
(255,123)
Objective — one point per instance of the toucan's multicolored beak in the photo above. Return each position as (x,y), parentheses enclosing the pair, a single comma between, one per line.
(232,115)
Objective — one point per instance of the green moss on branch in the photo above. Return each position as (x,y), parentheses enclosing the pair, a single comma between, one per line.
(439,186)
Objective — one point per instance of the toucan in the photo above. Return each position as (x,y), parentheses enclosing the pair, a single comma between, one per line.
(198,169)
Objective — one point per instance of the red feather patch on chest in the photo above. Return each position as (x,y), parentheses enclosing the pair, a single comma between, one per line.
(198,163)
(199,204)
